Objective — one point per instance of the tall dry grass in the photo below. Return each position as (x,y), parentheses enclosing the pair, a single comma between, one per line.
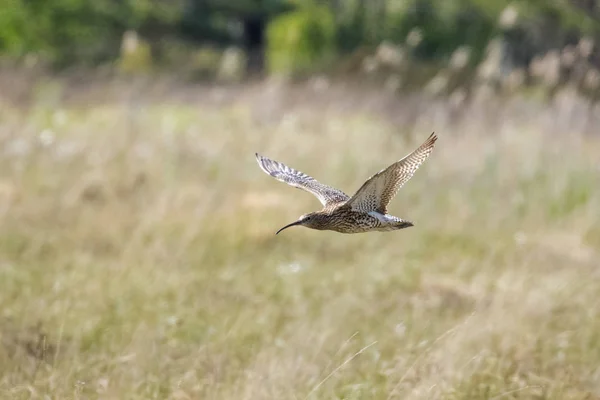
(138,258)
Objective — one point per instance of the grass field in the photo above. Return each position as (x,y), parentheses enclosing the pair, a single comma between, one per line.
(138,258)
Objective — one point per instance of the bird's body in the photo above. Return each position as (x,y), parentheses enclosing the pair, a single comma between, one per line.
(345,220)
(366,210)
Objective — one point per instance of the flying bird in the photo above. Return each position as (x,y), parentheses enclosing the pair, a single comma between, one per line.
(366,210)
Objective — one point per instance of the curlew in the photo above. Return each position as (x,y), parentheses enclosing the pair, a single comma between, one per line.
(365,211)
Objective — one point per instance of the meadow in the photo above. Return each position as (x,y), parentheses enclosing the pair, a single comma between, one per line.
(138,256)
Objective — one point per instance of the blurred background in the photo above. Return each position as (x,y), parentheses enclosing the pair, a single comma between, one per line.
(137,251)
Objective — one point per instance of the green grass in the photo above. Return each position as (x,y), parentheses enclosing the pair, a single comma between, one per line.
(138,260)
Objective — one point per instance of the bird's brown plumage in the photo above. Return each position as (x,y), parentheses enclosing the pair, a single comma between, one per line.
(366,210)
(326,194)
(377,192)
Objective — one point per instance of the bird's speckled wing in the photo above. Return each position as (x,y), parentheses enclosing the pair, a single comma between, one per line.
(377,192)
(326,194)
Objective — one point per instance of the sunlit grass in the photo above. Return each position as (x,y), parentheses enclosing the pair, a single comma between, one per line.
(138,259)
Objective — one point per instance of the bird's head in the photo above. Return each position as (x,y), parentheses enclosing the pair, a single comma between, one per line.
(315,220)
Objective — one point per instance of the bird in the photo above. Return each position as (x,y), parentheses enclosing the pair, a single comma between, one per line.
(366,210)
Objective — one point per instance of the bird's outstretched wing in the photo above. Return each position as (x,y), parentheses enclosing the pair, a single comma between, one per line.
(326,194)
(377,192)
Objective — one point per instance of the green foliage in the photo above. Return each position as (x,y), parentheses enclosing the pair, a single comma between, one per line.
(300,40)
(204,63)
(564,14)
(209,20)
(351,27)
(13,33)
(76,30)
(247,7)
(444,25)
(136,55)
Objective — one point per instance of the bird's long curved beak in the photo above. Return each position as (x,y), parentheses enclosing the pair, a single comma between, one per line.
(289,225)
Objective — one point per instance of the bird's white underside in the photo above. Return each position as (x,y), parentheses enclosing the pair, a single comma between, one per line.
(384,218)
